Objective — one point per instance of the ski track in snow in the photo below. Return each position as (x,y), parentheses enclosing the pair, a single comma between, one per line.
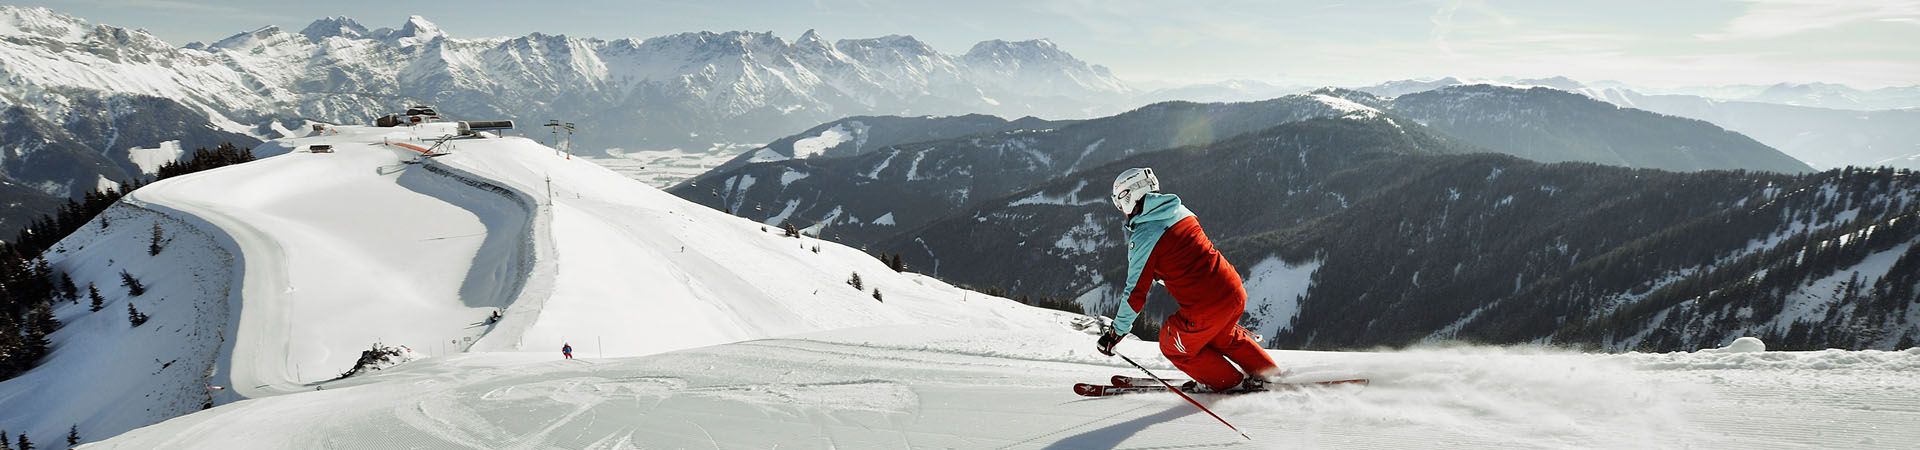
(894,387)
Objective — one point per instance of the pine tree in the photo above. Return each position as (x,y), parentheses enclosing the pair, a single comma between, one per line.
(134,288)
(154,244)
(24,443)
(73,436)
(855,282)
(134,316)
(876,295)
(67,289)
(790,231)
(40,323)
(897,264)
(93,295)
(5,444)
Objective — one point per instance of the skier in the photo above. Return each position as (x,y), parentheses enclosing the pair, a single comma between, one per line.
(566,349)
(1203,337)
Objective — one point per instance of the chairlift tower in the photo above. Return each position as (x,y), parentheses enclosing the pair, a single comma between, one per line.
(569,145)
(553,126)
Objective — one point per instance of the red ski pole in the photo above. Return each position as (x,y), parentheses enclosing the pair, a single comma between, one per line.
(1196,403)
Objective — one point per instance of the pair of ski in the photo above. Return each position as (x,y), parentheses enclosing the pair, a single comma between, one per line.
(1125,385)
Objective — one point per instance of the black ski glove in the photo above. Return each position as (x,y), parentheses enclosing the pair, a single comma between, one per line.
(1107,341)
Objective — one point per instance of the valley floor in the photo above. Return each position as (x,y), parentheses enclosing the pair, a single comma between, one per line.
(949,388)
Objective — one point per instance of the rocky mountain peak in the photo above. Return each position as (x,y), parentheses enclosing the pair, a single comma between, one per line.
(339,26)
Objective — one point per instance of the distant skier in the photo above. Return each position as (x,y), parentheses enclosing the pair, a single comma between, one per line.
(1165,242)
(566,350)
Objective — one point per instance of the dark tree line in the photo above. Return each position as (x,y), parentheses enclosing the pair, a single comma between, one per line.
(1705,308)
(1606,257)
(203,159)
(30,288)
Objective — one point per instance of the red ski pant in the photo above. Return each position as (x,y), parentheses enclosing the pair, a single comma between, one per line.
(1207,350)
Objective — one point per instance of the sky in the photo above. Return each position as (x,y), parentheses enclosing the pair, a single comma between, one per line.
(1667,43)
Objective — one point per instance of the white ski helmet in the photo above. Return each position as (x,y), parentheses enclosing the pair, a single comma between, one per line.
(1131,186)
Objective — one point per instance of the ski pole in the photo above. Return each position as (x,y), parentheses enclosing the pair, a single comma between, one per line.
(1196,403)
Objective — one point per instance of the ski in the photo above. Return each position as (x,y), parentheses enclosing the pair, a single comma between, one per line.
(1124,385)
(1126,381)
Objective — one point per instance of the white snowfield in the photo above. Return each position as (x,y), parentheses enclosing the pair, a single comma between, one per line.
(916,387)
(696,329)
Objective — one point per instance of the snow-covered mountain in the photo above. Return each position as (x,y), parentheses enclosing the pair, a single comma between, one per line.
(339,71)
(1824,135)
(274,276)
(1824,138)
(1549,124)
(1838,96)
(79,98)
(1813,95)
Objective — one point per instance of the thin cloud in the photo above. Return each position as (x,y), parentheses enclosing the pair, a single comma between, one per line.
(192,7)
(1775,18)
(1442,26)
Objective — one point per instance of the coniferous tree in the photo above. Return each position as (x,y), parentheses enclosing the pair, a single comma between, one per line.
(134,288)
(68,289)
(5,444)
(24,443)
(40,323)
(134,316)
(855,282)
(73,436)
(789,230)
(154,243)
(876,295)
(93,296)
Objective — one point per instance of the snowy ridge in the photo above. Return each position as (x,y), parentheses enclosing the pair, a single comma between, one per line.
(376,246)
(105,376)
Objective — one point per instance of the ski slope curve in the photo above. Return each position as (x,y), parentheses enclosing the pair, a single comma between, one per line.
(376,243)
(341,251)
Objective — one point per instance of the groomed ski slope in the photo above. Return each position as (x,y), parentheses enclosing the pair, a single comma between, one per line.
(373,243)
(340,251)
(921,387)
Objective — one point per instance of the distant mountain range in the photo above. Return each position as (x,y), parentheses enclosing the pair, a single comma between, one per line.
(1804,121)
(1817,95)
(87,105)
(1813,95)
